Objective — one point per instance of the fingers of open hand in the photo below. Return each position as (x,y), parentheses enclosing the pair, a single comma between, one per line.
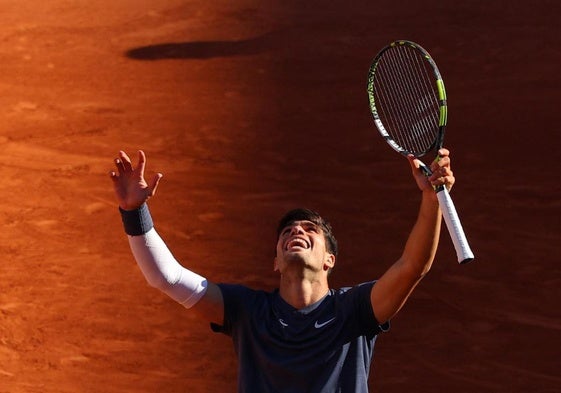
(155,182)
(115,176)
(123,165)
(141,162)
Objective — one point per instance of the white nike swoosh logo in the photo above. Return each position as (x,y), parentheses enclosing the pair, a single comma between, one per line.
(320,325)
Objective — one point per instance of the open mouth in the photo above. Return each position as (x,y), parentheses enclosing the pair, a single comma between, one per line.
(297,242)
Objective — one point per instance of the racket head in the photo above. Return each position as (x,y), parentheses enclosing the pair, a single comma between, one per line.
(407,98)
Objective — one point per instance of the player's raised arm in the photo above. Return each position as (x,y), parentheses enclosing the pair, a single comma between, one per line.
(394,287)
(160,268)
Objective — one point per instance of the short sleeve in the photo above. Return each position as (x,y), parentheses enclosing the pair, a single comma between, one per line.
(366,313)
(236,298)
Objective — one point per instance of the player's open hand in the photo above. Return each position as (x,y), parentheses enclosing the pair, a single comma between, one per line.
(131,189)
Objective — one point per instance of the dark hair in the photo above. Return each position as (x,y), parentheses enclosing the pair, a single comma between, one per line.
(302,214)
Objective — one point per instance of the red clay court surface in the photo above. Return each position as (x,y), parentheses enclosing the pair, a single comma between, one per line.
(250,108)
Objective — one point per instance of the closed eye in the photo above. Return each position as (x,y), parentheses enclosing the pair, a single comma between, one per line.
(307,226)
(311,228)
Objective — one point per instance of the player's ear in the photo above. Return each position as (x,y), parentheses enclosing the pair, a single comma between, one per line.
(329,262)
(275,265)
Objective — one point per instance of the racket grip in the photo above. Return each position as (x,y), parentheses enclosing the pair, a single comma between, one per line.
(452,221)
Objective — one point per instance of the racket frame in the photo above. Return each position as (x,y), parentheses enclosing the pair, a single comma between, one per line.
(448,209)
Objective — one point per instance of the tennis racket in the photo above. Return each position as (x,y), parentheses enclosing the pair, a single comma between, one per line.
(408,101)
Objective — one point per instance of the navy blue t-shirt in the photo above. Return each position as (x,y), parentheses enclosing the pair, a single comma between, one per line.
(324,348)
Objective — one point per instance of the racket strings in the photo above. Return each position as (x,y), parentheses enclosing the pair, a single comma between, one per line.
(407,99)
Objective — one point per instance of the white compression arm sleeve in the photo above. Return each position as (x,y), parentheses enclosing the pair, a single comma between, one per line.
(162,271)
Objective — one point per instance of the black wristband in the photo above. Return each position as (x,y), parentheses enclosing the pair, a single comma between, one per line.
(137,222)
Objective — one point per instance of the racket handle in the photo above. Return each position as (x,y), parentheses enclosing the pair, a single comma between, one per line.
(452,221)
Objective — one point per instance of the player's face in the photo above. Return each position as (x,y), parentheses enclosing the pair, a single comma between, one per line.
(303,241)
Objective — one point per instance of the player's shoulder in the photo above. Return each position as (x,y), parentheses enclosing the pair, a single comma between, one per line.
(239,291)
(358,293)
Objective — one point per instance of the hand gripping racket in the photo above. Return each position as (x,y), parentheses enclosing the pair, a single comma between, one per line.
(408,102)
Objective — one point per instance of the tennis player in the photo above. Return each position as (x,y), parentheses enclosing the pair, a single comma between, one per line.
(303,336)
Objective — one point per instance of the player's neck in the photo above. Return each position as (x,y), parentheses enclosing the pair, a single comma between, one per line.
(301,292)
